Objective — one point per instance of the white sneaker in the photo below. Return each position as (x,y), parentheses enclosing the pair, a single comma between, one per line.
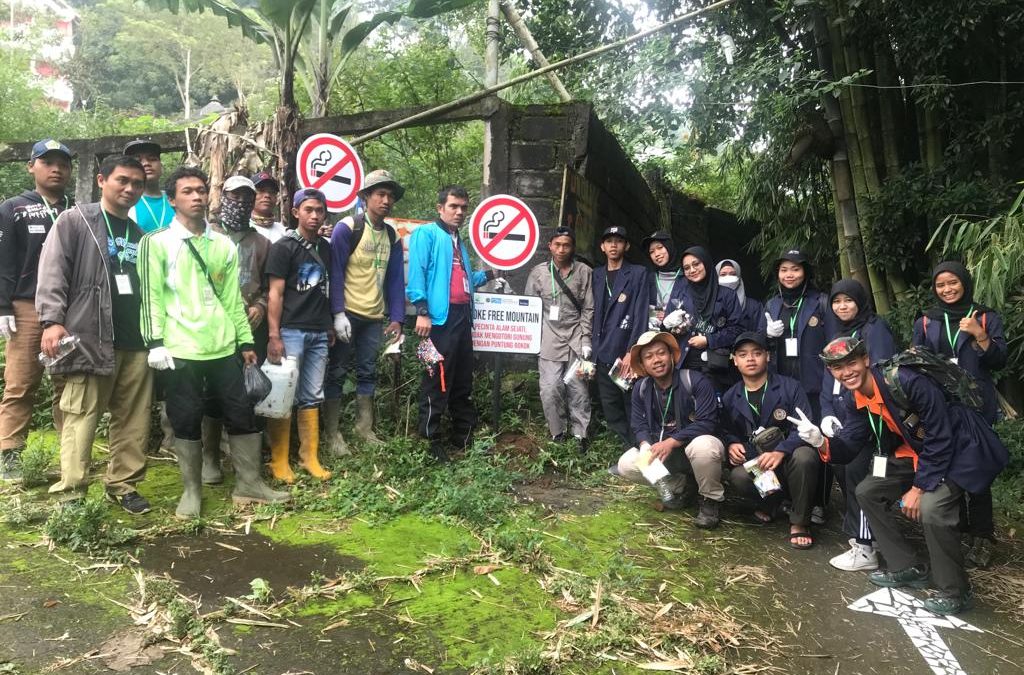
(859,557)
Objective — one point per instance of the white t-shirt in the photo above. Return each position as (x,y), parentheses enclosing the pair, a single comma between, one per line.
(273,233)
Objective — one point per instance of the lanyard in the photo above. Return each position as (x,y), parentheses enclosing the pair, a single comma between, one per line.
(664,413)
(163,211)
(794,317)
(127,239)
(376,248)
(756,408)
(878,431)
(50,209)
(554,291)
(949,335)
(608,287)
(661,291)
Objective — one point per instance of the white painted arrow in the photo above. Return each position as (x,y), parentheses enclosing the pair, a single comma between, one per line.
(920,624)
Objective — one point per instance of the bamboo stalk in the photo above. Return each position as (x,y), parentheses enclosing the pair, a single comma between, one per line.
(526,38)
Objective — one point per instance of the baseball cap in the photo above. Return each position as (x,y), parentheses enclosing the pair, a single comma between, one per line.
(308,193)
(140,145)
(660,235)
(265,177)
(236,182)
(750,336)
(651,337)
(842,349)
(563,232)
(613,231)
(793,255)
(382,177)
(49,145)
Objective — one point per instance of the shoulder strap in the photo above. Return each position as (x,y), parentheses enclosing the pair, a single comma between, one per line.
(565,289)
(202,265)
(685,379)
(358,226)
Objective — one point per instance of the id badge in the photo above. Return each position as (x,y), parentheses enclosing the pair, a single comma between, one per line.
(123,283)
(836,388)
(465,284)
(791,347)
(878,466)
(554,311)
(208,298)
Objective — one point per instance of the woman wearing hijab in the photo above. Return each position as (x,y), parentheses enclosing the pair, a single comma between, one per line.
(661,251)
(853,316)
(970,335)
(730,275)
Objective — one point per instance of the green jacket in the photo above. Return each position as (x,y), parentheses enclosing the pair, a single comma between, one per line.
(180,310)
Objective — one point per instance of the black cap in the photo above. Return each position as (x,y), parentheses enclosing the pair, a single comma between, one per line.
(563,232)
(842,349)
(750,336)
(265,177)
(46,145)
(660,235)
(140,145)
(613,231)
(793,255)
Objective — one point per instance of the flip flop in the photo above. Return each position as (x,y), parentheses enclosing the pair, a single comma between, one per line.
(800,547)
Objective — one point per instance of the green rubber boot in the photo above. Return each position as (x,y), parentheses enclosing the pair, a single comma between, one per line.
(190,461)
(249,486)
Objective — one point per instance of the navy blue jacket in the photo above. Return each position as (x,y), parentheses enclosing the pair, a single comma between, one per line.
(950,439)
(881,345)
(696,414)
(726,316)
(783,395)
(811,332)
(979,364)
(752,314)
(620,317)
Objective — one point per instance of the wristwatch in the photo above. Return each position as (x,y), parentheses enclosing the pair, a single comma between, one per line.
(422,311)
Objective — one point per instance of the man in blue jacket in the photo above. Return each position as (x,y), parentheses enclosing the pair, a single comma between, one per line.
(620,317)
(759,401)
(440,286)
(927,452)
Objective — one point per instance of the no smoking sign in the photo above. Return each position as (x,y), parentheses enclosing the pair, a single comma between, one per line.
(329,164)
(504,232)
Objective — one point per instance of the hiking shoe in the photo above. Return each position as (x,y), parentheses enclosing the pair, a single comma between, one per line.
(915,577)
(950,603)
(707,513)
(132,502)
(582,443)
(439,453)
(818,515)
(860,557)
(10,465)
(560,438)
(980,554)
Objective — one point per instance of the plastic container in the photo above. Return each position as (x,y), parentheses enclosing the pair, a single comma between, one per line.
(284,378)
(67,344)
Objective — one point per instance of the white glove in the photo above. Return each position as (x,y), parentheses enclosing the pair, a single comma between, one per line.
(775,327)
(7,327)
(587,351)
(160,359)
(830,426)
(805,428)
(674,319)
(653,323)
(342,327)
(501,285)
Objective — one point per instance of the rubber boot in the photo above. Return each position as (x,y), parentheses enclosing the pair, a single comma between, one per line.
(190,461)
(364,419)
(309,443)
(212,474)
(279,430)
(249,486)
(333,440)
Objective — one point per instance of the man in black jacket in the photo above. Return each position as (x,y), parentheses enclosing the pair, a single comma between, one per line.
(25,221)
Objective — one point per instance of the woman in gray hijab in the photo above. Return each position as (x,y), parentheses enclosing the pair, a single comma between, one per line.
(730,276)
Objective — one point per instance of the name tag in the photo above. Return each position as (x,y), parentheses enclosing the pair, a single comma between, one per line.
(791,347)
(123,283)
(955,360)
(37,229)
(878,466)
(209,299)
(554,311)
(835,388)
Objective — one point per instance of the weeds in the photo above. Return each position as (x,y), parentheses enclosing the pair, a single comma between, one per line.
(37,457)
(84,527)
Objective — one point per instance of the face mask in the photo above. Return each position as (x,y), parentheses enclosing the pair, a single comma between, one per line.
(235,212)
(729,281)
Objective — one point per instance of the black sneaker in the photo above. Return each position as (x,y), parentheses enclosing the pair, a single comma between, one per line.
(10,465)
(707,513)
(949,603)
(915,577)
(980,554)
(132,502)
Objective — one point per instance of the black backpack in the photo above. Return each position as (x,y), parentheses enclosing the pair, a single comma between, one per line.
(955,382)
(359,226)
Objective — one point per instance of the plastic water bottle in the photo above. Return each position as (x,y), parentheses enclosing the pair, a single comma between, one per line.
(65,346)
(284,379)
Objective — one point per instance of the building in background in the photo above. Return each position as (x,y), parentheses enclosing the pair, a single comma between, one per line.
(47,29)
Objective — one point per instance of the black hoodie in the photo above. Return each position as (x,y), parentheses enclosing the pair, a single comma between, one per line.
(25,221)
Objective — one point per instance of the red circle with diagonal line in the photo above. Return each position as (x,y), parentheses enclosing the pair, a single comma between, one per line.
(504,232)
(331,165)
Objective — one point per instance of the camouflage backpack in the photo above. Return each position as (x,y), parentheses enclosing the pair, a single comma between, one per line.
(955,382)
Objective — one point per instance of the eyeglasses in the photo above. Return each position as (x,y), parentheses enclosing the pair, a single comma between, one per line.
(694,266)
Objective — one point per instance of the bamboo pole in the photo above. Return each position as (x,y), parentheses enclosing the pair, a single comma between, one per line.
(487,91)
(526,38)
(492,40)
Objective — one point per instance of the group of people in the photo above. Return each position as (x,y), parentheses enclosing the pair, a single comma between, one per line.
(140,296)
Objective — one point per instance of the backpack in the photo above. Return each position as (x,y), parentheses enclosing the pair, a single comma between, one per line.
(359,226)
(956,383)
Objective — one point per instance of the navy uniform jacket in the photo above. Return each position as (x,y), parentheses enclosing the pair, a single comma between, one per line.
(811,333)
(726,317)
(950,439)
(696,413)
(620,317)
(752,313)
(782,397)
(979,364)
(881,345)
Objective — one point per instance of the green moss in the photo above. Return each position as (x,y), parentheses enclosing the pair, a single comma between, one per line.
(338,606)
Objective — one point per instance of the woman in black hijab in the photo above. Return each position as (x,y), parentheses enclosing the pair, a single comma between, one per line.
(971,335)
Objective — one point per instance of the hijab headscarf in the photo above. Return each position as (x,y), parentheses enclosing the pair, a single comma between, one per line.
(665,239)
(236,209)
(705,291)
(791,296)
(959,309)
(865,312)
(737,285)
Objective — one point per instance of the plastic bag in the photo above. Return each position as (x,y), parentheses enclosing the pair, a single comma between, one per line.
(257,384)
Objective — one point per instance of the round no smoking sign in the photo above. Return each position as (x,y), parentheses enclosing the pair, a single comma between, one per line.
(331,165)
(504,232)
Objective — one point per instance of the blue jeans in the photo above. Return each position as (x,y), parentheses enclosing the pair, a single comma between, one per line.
(310,351)
(364,345)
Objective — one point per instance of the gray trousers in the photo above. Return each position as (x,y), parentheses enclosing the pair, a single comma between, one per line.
(554,394)
(940,516)
(798,474)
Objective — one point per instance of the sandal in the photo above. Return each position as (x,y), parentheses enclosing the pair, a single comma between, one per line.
(798,535)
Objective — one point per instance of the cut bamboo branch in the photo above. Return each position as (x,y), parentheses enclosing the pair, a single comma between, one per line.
(526,38)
